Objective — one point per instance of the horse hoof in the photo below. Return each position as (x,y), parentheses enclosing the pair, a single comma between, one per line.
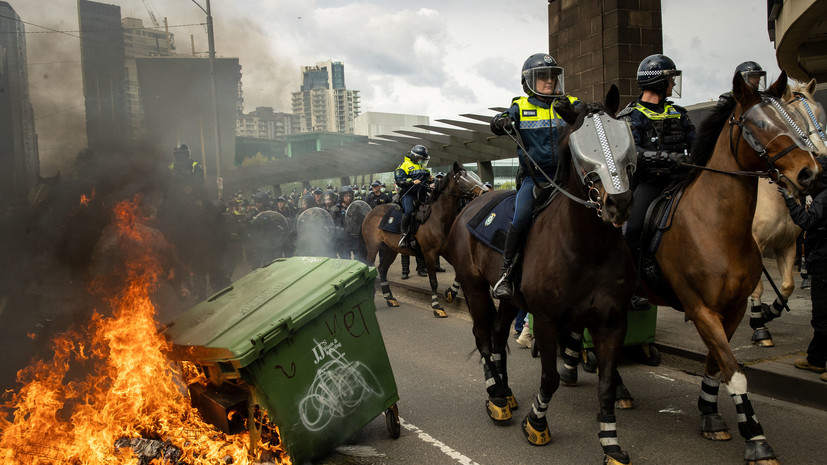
(759,452)
(440,313)
(449,296)
(568,377)
(765,343)
(392,303)
(624,404)
(717,435)
(497,413)
(534,436)
(621,459)
(512,402)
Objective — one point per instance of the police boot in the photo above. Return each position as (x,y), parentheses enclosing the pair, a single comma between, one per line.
(406,266)
(504,288)
(403,228)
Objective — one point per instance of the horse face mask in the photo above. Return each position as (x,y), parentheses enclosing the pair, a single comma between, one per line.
(771,119)
(604,147)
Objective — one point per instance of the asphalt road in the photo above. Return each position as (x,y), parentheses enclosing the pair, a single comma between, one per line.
(442,407)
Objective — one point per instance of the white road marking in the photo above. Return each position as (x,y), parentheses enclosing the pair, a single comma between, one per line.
(657,375)
(436,443)
(671,410)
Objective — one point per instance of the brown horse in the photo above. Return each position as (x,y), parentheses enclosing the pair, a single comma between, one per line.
(772,227)
(430,236)
(566,236)
(709,258)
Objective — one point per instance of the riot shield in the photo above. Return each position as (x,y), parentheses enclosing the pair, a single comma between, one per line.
(266,233)
(314,228)
(354,216)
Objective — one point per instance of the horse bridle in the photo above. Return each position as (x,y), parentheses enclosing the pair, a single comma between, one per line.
(746,134)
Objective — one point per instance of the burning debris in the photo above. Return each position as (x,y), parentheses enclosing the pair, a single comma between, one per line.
(110,395)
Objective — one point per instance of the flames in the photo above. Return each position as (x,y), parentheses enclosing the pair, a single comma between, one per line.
(110,381)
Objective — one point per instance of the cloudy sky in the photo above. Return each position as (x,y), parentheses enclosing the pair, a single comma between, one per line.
(436,58)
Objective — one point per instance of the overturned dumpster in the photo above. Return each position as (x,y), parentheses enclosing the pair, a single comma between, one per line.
(297,343)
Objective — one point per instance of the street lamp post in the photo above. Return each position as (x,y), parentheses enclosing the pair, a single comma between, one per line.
(214,92)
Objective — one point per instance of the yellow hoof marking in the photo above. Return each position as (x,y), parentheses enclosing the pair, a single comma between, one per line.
(765,343)
(440,314)
(392,303)
(512,402)
(449,297)
(498,413)
(624,404)
(717,435)
(607,460)
(537,438)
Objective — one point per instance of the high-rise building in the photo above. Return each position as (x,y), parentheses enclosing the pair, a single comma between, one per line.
(264,123)
(140,42)
(19,161)
(102,64)
(324,103)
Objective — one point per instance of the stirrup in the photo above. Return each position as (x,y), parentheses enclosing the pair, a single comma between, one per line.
(503,289)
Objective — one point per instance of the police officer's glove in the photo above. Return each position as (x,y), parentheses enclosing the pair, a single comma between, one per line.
(677,158)
(502,124)
(785,193)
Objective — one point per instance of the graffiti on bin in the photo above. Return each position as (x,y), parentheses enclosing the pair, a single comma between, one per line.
(339,388)
(353,322)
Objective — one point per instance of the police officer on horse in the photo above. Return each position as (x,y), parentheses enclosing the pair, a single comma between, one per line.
(412,177)
(535,119)
(663,136)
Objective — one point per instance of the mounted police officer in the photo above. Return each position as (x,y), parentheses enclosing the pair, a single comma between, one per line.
(535,119)
(753,75)
(412,177)
(663,136)
(188,174)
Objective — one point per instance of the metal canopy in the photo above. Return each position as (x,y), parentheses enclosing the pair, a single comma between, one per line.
(461,141)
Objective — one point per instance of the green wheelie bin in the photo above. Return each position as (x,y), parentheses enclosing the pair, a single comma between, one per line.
(640,331)
(299,340)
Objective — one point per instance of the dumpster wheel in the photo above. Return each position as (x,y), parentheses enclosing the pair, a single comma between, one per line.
(392,420)
(588,360)
(651,354)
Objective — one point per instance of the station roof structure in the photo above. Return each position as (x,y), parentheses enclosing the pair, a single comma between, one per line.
(468,140)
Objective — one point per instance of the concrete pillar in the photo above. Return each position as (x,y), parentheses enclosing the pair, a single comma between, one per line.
(486,170)
(344,180)
(602,42)
(277,192)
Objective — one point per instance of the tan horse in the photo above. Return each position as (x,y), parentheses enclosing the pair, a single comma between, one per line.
(772,227)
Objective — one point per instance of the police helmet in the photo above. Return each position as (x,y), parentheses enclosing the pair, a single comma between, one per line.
(345,190)
(375,184)
(538,70)
(439,175)
(260,196)
(753,74)
(181,151)
(317,191)
(281,199)
(656,72)
(419,155)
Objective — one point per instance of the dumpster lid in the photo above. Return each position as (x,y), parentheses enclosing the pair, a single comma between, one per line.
(263,308)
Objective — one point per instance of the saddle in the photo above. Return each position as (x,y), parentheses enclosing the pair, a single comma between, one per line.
(658,220)
(392,220)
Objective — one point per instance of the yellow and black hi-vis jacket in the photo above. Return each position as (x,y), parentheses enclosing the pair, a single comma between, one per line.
(406,173)
(539,127)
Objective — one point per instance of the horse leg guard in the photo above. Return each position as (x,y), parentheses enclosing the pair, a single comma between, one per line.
(761,335)
(771,313)
(499,360)
(623,398)
(452,292)
(386,293)
(713,426)
(535,424)
(571,357)
(497,403)
(758,450)
(612,453)
(439,312)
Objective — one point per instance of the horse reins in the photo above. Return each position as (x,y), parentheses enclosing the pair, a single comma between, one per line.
(588,203)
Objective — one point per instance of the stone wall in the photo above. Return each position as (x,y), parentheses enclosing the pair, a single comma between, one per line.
(601,42)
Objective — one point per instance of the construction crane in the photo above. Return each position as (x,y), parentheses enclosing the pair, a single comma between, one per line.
(149,9)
